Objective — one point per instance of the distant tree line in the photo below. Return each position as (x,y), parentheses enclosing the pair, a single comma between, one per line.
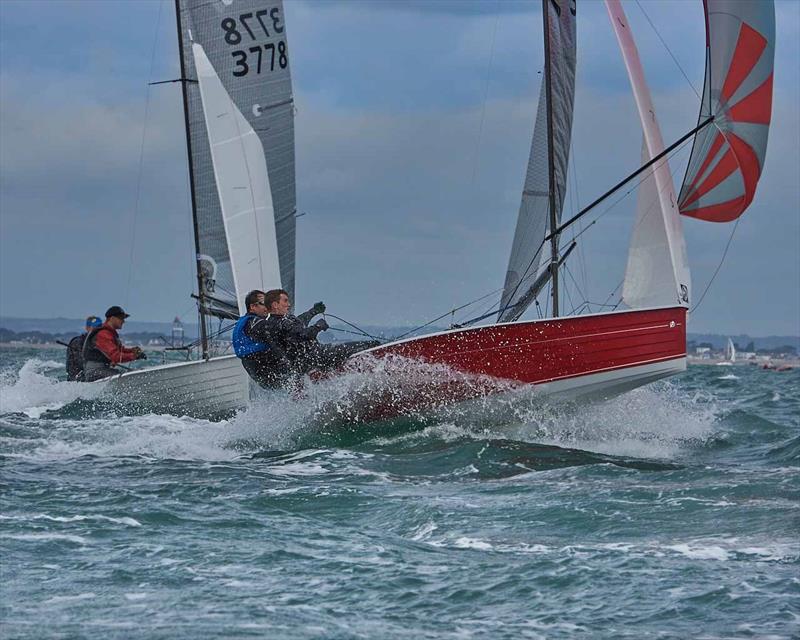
(42,337)
(783,350)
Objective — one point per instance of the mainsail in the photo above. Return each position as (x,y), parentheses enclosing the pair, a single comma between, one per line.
(551,139)
(657,273)
(728,156)
(244,49)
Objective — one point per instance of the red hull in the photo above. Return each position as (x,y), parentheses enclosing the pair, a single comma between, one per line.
(554,353)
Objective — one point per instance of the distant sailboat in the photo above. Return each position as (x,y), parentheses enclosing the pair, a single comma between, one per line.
(730,354)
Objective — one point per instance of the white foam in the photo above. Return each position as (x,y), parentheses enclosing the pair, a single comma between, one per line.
(80,596)
(700,552)
(47,537)
(31,392)
(79,518)
(657,421)
(472,543)
(153,436)
(729,376)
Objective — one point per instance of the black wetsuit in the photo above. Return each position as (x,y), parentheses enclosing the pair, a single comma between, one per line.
(75,358)
(294,349)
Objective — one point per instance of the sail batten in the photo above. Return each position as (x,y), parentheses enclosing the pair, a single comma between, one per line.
(548,162)
(727,158)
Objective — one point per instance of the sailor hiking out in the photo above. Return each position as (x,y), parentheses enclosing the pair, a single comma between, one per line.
(103,350)
(277,347)
(75,350)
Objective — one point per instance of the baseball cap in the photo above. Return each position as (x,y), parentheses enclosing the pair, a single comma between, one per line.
(93,321)
(116,312)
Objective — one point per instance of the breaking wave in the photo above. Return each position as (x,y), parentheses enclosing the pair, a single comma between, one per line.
(32,392)
(655,422)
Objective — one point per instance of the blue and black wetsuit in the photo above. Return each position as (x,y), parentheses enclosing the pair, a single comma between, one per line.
(277,349)
(263,359)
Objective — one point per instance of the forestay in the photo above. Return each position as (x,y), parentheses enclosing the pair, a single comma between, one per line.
(728,156)
(657,273)
(244,179)
(532,221)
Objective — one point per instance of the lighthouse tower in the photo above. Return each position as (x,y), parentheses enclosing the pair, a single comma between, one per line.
(177,332)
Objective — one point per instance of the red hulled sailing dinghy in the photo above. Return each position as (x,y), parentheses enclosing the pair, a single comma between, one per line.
(604,354)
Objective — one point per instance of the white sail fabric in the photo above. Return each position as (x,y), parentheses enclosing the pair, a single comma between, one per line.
(728,157)
(245,44)
(657,273)
(242,185)
(534,211)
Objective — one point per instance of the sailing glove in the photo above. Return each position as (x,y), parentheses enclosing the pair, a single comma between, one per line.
(318,308)
(321,324)
(141,356)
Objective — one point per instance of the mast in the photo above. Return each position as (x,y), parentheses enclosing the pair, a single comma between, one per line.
(550,156)
(200,287)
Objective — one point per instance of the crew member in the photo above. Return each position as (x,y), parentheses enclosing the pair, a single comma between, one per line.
(299,341)
(103,349)
(75,350)
(264,361)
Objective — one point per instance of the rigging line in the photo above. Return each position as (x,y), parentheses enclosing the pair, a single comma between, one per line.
(350,324)
(632,189)
(719,266)
(210,336)
(675,150)
(575,282)
(569,297)
(669,51)
(664,156)
(355,333)
(485,92)
(527,275)
(444,315)
(665,153)
(577,205)
(137,198)
(648,211)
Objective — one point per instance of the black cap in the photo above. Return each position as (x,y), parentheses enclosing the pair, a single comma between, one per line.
(116,312)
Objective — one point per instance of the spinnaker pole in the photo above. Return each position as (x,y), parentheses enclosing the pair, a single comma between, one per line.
(200,285)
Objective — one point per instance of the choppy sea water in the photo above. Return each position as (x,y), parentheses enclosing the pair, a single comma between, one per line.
(670,512)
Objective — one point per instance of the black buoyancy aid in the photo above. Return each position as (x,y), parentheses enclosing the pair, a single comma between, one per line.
(75,357)
(91,353)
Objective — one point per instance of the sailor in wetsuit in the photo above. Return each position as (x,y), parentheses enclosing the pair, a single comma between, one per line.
(263,359)
(75,350)
(276,347)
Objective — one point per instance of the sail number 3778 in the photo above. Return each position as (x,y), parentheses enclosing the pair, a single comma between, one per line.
(248,29)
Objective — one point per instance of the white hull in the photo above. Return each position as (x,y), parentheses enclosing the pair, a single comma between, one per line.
(607,384)
(212,388)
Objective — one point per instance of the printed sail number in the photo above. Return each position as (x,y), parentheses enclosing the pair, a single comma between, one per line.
(248,28)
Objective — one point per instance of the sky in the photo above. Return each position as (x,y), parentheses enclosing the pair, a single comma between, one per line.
(413,130)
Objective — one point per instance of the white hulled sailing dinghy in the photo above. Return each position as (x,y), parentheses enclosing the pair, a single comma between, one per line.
(239,119)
